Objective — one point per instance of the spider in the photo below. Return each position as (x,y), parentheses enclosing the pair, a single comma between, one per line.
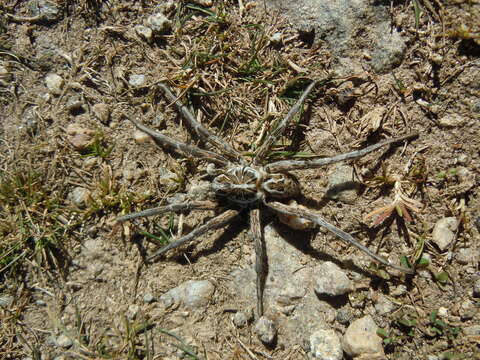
(250,184)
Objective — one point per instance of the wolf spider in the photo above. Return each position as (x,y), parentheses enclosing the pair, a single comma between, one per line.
(250,184)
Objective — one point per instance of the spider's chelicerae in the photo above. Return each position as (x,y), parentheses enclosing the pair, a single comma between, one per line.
(251,184)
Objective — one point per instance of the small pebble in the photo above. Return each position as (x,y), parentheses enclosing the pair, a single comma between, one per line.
(80,196)
(444,232)
(452,120)
(30,121)
(79,136)
(54,83)
(240,319)
(141,137)
(326,345)
(476,288)
(330,280)
(465,256)
(442,312)
(463,159)
(132,311)
(192,294)
(343,316)
(136,80)
(159,23)
(102,112)
(166,177)
(64,341)
(144,32)
(148,298)
(265,329)
(276,38)
(361,339)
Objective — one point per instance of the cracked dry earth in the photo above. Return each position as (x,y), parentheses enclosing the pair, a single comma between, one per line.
(70,79)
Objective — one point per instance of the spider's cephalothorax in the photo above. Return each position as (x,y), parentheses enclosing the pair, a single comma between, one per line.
(249,184)
(246,184)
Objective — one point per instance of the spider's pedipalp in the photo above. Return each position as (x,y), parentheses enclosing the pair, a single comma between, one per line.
(185,206)
(199,129)
(309,215)
(290,165)
(178,146)
(260,256)
(278,131)
(215,223)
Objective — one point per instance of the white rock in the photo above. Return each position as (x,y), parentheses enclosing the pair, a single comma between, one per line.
(444,232)
(54,83)
(361,339)
(326,345)
(80,196)
(276,38)
(265,329)
(330,280)
(136,80)
(144,32)
(442,312)
(159,23)
(192,294)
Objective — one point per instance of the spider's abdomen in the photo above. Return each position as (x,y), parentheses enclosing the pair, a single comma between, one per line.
(248,184)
